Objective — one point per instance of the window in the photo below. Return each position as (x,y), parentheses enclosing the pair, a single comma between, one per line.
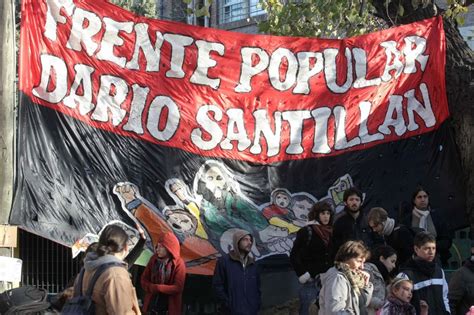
(237,10)
(256,8)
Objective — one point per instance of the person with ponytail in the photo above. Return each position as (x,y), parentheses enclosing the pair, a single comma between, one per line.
(113,293)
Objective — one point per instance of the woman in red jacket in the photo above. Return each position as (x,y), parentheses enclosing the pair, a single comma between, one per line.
(163,278)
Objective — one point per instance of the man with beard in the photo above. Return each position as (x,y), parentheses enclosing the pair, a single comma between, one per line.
(236,280)
(351,224)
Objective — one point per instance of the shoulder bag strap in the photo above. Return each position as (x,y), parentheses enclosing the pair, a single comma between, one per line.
(97,274)
(78,285)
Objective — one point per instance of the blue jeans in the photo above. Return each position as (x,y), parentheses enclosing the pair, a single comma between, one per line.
(308,295)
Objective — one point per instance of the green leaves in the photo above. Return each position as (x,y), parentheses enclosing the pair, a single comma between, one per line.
(318,18)
(456,10)
(198,11)
(142,7)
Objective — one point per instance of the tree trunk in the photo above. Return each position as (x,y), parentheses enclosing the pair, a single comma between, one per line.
(459,85)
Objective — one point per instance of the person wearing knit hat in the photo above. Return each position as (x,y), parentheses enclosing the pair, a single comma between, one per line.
(236,280)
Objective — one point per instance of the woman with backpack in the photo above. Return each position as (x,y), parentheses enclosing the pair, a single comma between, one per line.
(310,254)
(113,291)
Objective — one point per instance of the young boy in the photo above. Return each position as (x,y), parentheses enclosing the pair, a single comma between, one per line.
(429,282)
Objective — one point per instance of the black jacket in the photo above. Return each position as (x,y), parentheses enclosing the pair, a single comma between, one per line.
(401,239)
(313,256)
(461,289)
(346,228)
(444,237)
(429,284)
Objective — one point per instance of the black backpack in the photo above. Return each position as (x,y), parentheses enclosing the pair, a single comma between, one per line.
(24,300)
(83,304)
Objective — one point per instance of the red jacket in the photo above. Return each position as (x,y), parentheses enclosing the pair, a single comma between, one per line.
(174,289)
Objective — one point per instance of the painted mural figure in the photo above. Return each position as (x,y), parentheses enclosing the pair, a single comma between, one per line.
(224,207)
(288,211)
(280,203)
(336,191)
(205,217)
(179,192)
(198,254)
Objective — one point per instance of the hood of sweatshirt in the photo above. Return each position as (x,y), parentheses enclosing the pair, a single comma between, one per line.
(171,243)
(329,275)
(235,252)
(92,261)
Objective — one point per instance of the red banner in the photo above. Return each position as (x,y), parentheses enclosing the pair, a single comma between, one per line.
(255,98)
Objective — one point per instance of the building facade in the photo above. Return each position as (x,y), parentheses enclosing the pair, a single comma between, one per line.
(236,15)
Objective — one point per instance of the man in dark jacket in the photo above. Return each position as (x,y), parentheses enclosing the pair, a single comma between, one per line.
(461,287)
(236,279)
(351,224)
(429,282)
(398,236)
(421,215)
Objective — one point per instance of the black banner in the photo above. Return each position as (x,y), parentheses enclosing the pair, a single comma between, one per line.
(73,178)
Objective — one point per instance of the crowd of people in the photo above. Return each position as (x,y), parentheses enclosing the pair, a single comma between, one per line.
(354,263)
(368,263)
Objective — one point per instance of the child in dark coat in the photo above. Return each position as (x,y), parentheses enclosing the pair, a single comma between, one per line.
(398,301)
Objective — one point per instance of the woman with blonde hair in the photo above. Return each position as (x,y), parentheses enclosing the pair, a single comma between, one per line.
(346,288)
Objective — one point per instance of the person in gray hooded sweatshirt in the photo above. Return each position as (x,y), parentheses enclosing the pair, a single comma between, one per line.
(346,288)
(236,280)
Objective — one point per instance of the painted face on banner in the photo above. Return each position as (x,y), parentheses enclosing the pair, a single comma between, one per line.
(301,209)
(336,191)
(215,181)
(282,200)
(181,222)
(179,190)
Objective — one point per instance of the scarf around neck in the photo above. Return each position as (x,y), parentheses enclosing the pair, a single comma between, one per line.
(355,278)
(399,307)
(425,221)
(427,268)
(323,231)
(161,271)
(388,226)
